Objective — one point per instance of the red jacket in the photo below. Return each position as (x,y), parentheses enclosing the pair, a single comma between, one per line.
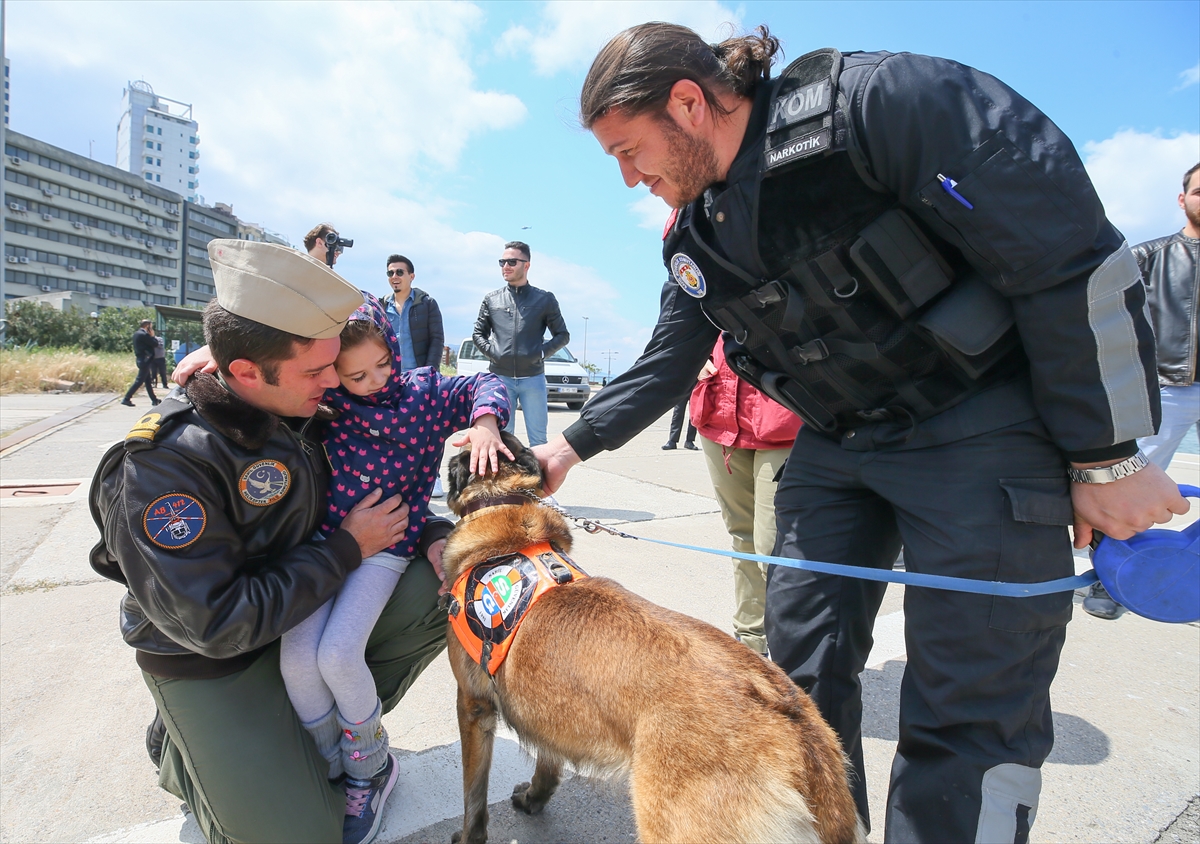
(730,412)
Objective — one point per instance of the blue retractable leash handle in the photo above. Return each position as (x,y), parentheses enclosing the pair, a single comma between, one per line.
(1156,573)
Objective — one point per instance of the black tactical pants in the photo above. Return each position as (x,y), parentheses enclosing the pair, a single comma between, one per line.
(975,721)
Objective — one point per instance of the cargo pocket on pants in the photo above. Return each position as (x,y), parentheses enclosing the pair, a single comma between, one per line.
(1034,547)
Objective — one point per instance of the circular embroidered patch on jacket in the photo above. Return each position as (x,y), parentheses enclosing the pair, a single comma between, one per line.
(265,482)
(175,520)
(688,275)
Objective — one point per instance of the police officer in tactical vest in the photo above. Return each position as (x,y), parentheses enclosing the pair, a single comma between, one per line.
(911,257)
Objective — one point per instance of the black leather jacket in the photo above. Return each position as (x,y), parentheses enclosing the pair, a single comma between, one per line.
(1171,270)
(511,324)
(207,596)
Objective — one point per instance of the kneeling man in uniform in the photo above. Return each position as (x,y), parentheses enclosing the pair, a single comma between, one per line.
(208,511)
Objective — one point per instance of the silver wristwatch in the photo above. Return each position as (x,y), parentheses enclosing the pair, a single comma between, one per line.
(1108,474)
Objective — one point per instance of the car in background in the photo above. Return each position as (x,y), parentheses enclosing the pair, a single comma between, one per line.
(566,380)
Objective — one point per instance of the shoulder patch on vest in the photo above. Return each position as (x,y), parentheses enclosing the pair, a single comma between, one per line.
(174,521)
(688,276)
(147,428)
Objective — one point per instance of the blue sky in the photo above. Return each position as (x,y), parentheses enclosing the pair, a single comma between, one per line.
(440,130)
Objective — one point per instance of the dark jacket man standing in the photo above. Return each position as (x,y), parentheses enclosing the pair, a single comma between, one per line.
(510,331)
(415,317)
(207,512)
(144,347)
(910,256)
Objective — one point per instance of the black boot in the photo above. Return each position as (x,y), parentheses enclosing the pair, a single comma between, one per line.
(155,734)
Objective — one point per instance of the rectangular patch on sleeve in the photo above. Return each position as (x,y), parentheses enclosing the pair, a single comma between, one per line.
(800,104)
(798,148)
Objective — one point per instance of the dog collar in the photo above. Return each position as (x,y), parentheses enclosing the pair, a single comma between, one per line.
(486,502)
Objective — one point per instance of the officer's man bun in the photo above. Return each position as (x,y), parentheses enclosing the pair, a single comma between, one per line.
(636,69)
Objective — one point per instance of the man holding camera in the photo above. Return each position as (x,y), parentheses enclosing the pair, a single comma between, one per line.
(325,244)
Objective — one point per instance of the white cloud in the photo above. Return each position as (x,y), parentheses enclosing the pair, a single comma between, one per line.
(1138,176)
(345,112)
(652,212)
(1189,77)
(572,32)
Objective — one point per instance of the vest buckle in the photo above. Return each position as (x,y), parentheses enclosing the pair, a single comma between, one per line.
(768,294)
(813,350)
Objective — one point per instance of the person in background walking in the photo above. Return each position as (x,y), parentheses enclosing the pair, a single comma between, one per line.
(509,332)
(143,352)
(746,438)
(677,416)
(158,369)
(1171,272)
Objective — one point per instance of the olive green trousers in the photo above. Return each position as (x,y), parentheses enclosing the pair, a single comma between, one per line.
(236,753)
(744,482)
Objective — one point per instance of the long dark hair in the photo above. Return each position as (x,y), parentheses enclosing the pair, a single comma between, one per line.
(636,69)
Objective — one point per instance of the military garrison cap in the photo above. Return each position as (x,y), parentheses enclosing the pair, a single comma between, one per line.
(282,288)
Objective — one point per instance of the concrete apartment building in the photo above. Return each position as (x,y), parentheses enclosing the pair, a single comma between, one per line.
(73,225)
(158,140)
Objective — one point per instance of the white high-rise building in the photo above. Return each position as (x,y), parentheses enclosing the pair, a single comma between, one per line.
(158,140)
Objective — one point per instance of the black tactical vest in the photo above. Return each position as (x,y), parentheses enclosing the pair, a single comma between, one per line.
(837,303)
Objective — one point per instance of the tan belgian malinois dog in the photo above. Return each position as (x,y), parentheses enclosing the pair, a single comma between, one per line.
(718,744)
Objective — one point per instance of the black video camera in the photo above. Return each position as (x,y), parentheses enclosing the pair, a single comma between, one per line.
(335,243)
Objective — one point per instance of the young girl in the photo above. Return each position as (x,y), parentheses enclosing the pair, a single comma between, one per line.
(390,435)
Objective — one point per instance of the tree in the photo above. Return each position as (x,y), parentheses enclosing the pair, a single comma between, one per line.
(35,323)
(114,329)
(593,369)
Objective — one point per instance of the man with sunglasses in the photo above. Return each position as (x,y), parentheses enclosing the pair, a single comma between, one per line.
(510,331)
(415,317)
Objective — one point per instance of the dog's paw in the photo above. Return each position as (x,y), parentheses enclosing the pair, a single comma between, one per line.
(456,837)
(527,803)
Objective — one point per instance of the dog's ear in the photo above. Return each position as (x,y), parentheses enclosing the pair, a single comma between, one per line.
(525,461)
(458,470)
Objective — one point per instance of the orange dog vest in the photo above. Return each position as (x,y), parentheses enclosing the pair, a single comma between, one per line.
(489,600)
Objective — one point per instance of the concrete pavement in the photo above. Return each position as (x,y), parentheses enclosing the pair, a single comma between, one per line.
(72,763)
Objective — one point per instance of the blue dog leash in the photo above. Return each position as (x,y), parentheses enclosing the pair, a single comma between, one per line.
(906,578)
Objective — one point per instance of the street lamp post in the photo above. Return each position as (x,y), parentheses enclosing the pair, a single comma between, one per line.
(610,355)
(585,369)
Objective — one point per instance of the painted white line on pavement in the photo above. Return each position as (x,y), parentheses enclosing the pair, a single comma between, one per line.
(889,639)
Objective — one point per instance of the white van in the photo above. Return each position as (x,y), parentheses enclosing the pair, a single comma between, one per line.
(566,380)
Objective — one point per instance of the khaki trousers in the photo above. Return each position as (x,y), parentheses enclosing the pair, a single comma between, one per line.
(236,753)
(746,494)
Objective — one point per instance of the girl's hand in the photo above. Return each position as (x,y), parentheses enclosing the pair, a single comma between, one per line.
(434,555)
(486,445)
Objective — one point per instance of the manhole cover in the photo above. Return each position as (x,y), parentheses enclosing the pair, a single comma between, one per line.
(37,490)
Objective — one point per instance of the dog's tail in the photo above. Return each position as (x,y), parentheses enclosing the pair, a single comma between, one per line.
(828,791)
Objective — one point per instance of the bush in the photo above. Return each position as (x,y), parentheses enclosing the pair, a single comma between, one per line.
(113,331)
(33,323)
